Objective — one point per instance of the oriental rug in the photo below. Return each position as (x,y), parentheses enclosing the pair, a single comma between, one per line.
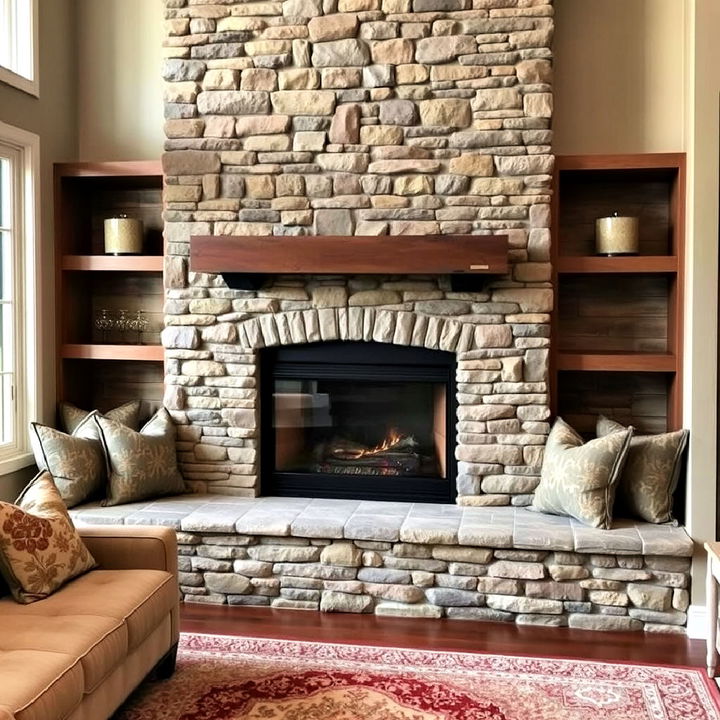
(228,678)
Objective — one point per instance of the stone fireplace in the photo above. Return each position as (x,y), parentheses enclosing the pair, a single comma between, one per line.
(360,117)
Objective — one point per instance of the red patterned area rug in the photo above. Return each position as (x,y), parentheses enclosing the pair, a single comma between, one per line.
(228,678)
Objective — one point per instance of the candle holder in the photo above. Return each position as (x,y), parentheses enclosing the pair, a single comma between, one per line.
(616,235)
(123,236)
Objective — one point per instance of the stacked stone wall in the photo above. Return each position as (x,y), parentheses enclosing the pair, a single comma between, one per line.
(529,587)
(367,117)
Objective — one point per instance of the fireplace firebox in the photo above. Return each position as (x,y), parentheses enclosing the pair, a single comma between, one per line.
(359,420)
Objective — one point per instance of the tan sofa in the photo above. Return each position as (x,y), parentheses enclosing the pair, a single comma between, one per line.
(79,653)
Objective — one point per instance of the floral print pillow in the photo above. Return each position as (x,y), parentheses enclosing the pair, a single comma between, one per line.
(578,479)
(651,472)
(140,464)
(128,414)
(40,550)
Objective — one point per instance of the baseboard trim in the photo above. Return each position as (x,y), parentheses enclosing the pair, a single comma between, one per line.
(697,622)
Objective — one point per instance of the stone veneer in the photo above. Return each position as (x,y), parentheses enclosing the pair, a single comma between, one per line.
(421,560)
(341,117)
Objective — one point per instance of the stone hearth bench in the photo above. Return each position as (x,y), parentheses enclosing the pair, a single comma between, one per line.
(421,560)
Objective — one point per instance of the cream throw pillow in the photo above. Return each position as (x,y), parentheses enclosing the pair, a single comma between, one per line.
(72,416)
(140,464)
(76,462)
(650,475)
(578,479)
(40,550)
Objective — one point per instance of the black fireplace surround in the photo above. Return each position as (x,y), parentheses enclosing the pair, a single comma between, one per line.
(361,420)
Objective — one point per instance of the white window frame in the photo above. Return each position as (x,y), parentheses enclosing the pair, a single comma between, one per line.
(28,393)
(23,45)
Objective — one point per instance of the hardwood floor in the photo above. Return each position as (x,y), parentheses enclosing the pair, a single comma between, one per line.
(463,636)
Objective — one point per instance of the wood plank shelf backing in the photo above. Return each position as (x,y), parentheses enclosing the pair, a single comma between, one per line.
(113,263)
(579,265)
(617,362)
(88,351)
(357,255)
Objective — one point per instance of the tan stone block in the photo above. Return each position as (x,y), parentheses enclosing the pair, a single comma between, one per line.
(296,217)
(445,73)
(178,26)
(538,105)
(303,102)
(309,141)
(190,162)
(388,201)
(182,193)
(413,185)
(411,74)
(289,185)
(267,143)
(358,5)
(180,92)
(401,167)
(340,53)
(472,164)
(299,79)
(258,79)
(329,297)
(288,202)
(260,186)
(532,272)
(392,7)
(221,80)
(284,32)
(211,186)
(253,124)
(341,77)
(237,157)
(381,135)
(534,71)
(446,112)
(343,162)
(398,51)
(496,186)
(184,128)
(414,227)
(442,49)
(267,47)
(235,24)
(218,126)
(332,27)
(497,99)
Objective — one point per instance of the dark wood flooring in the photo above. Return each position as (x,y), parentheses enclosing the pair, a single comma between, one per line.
(462,636)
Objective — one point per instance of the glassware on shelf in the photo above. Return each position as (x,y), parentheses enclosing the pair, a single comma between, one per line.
(104,323)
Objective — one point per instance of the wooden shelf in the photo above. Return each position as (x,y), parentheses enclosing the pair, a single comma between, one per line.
(111,170)
(584,264)
(617,362)
(407,254)
(125,263)
(87,351)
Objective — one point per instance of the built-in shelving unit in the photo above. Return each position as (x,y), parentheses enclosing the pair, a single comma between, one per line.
(101,368)
(617,326)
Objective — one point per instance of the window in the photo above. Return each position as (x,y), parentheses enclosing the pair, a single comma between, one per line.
(18,44)
(19,392)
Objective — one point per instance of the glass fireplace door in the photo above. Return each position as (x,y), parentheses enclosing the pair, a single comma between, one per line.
(364,421)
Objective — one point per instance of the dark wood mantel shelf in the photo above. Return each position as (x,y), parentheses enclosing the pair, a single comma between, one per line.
(245,261)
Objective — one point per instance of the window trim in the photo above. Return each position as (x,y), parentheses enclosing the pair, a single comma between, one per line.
(29,389)
(30,85)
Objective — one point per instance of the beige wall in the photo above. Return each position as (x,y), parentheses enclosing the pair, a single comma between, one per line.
(54,118)
(619,76)
(119,82)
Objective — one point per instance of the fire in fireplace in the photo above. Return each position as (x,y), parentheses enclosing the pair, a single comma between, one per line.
(358,420)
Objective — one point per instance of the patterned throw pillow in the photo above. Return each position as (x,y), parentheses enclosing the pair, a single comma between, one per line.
(40,549)
(578,478)
(650,475)
(75,461)
(128,414)
(140,464)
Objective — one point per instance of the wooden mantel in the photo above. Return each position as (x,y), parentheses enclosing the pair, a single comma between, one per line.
(246,256)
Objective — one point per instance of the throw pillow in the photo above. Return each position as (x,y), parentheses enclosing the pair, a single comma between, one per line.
(128,414)
(40,550)
(140,464)
(650,475)
(75,461)
(578,478)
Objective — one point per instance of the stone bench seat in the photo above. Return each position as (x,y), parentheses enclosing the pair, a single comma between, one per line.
(420,560)
(494,527)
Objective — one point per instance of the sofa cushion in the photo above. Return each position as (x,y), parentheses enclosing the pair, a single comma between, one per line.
(140,598)
(40,549)
(40,684)
(99,643)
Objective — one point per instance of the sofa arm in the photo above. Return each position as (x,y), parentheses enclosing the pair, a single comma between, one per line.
(132,547)
(5,713)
